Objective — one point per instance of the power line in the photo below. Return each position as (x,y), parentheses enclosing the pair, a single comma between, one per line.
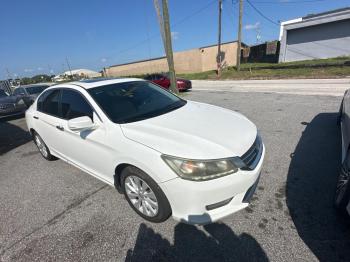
(195,13)
(262,15)
(175,24)
(288,2)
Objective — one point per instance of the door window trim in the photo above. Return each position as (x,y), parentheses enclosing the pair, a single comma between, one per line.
(59,102)
(60,89)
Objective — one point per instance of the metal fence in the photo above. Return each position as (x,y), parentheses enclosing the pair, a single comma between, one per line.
(6,86)
(263,53)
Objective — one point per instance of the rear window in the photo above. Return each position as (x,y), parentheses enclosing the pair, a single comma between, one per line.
(36,89)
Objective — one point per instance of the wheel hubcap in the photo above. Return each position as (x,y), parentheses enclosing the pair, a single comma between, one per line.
(141,196)
(41,146)
(342,183)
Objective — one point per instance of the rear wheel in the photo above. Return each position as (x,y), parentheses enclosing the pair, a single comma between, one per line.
(43,149)
(144,195)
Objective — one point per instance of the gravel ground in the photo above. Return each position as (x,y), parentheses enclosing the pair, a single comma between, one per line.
(50,211)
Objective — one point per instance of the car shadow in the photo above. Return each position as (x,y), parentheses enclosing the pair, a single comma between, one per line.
(11,136)
(216,242)
(310,190)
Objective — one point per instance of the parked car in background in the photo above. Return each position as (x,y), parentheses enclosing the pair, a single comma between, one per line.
(30,92)
(10,105)
(342,197)
(132,134)
(164,81)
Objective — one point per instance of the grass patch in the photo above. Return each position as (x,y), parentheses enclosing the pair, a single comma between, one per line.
(320,68)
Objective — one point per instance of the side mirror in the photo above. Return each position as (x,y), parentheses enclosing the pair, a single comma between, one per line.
(80,123)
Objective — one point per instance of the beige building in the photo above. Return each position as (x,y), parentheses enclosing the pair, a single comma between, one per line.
(189,61)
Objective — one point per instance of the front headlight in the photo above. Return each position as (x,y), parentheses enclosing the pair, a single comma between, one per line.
(200,170)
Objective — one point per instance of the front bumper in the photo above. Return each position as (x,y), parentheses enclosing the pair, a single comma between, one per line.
(189,200)
(12,112)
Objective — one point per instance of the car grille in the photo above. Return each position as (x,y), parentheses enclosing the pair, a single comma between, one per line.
(6,106)
(254,153)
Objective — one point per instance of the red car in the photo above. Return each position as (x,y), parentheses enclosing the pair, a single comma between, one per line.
(164,81)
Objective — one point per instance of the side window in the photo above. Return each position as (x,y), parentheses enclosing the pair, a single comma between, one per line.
(49,104)
(42,97)
(74,105)
(157,77)
(18,91)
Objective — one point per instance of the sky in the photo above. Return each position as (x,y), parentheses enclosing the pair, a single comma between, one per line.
(40,36)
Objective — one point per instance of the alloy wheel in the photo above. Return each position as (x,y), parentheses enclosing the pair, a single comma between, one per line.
(141,196)
(41,146)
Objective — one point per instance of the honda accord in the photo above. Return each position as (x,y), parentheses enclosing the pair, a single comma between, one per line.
(168,156)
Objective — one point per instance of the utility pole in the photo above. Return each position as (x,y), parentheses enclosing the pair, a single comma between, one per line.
(165,29)
(238,64)
(219,41)
(160,21)
(70,70)
(8,74)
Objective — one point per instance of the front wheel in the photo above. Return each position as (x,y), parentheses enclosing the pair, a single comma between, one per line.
(144,195)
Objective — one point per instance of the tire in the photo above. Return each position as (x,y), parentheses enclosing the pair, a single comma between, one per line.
(340,114)
(342,196)
(42,147)
(143,198)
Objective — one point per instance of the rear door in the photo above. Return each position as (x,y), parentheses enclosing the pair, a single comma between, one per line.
(48,119)
(165,81)
(157,79)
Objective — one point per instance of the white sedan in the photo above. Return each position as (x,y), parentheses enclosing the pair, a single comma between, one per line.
(194,161)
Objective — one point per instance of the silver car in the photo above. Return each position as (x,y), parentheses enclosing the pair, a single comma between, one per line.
(11,105)
(30,92)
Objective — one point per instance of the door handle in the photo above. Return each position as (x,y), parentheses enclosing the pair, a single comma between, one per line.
(35,117)
(61,128)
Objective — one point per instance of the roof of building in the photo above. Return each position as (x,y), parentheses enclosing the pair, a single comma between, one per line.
(80,71)
(160,57)
(319,18)
(330,12)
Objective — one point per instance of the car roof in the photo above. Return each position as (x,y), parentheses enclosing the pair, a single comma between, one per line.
(91,83)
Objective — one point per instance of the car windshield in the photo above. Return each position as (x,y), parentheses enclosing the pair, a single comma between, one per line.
(3,93)
(35,89)
(134,101)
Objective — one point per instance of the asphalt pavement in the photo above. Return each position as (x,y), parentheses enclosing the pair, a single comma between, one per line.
(51,211)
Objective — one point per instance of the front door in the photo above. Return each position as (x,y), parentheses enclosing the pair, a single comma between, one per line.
(87,149)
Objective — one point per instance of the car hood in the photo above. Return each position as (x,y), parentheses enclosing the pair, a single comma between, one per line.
(8,99)
(196,131)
